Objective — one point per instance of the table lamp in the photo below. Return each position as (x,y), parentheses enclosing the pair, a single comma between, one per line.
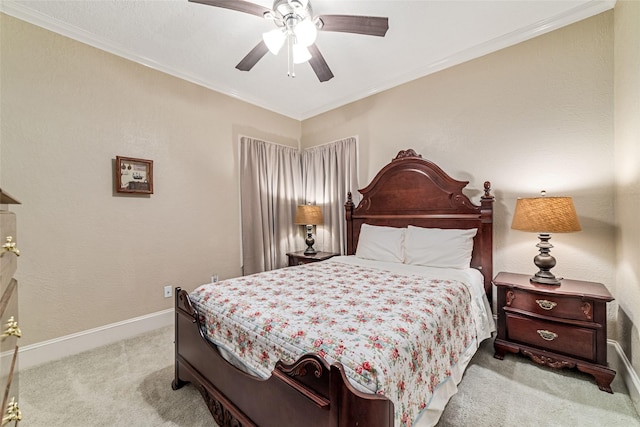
(309,215)
(545,215)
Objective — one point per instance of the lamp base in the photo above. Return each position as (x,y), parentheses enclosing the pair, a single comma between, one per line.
(309,241)
(545,278)
(545,262)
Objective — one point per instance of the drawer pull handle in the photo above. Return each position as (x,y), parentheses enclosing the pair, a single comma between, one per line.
(12,412)
(10,246)
(546,304)
(547,335)
(12,329)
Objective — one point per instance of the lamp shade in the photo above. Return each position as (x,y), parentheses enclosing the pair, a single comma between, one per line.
(274,40)
(545,215)
(306,33)
(308,215)
(300,54)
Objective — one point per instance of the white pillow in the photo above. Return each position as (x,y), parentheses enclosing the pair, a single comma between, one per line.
(380,243)
(439,247)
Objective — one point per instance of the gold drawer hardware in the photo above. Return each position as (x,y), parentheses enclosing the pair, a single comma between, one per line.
(10,246)
(546,304)
(12,413)
(587,310)
(12,329)
(510,297)
(547,335)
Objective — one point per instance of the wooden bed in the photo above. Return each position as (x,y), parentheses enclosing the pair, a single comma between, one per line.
(309,392)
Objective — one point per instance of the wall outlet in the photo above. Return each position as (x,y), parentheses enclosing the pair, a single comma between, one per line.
(214,278)
(168,291)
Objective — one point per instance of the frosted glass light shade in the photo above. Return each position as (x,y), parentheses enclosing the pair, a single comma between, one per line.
(300,54)
(306,33)
(274,40)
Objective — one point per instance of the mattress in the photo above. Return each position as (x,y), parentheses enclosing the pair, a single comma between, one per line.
(404,331)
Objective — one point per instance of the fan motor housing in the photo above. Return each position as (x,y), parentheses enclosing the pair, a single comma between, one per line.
(286,9)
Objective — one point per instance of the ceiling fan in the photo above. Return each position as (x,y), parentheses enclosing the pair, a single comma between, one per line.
(298,28)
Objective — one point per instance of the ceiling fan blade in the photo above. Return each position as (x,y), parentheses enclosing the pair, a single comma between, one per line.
(239,5)
(319,65)
(367,25)
(253,57)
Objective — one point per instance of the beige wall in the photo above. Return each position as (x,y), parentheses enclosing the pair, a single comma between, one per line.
(538,115)
(627,161)
(90,257)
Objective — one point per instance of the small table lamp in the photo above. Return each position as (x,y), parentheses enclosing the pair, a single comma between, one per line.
(309,215)
(545,215)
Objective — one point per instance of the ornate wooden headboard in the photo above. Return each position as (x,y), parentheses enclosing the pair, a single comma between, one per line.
(413,191)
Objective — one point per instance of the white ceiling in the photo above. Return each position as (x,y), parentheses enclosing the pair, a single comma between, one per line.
(203,44)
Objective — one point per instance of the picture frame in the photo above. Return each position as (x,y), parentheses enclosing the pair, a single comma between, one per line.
(133,175)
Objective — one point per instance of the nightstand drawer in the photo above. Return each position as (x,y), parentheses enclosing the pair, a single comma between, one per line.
(557,337)
(564,307)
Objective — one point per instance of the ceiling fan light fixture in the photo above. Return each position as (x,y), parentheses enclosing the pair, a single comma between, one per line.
(274,40)
(300,54)
(298,26)
(306,33)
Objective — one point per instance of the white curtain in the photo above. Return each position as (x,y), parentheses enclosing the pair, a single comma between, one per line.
(271,188)
(329,173)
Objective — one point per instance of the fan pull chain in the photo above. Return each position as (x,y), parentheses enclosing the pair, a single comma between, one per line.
(290,70)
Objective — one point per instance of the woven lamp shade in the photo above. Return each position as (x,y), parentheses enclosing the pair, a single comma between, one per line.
(545,215)
(308,215)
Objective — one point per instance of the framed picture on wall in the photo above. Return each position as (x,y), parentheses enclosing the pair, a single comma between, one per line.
(133,175)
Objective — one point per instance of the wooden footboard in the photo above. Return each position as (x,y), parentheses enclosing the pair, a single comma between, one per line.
(308,392)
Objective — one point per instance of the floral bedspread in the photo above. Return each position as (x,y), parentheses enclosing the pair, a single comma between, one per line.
(396,335)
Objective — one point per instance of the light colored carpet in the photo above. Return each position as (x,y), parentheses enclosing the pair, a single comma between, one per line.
(129,384)
(517,392)
(123,384)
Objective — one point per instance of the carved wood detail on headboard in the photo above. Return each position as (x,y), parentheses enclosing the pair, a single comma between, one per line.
(413,191)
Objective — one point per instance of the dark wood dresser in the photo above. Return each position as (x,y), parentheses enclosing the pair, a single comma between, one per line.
(299,258)
(558,326)
(9,312)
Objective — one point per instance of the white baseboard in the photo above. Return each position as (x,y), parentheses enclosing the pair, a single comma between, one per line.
(47,351)
(619,362)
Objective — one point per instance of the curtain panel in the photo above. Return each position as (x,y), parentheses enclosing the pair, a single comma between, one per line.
(329,173)
(270,187)
(274,179)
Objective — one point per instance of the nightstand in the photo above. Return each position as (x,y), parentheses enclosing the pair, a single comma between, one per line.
(558,326)
(299,258)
